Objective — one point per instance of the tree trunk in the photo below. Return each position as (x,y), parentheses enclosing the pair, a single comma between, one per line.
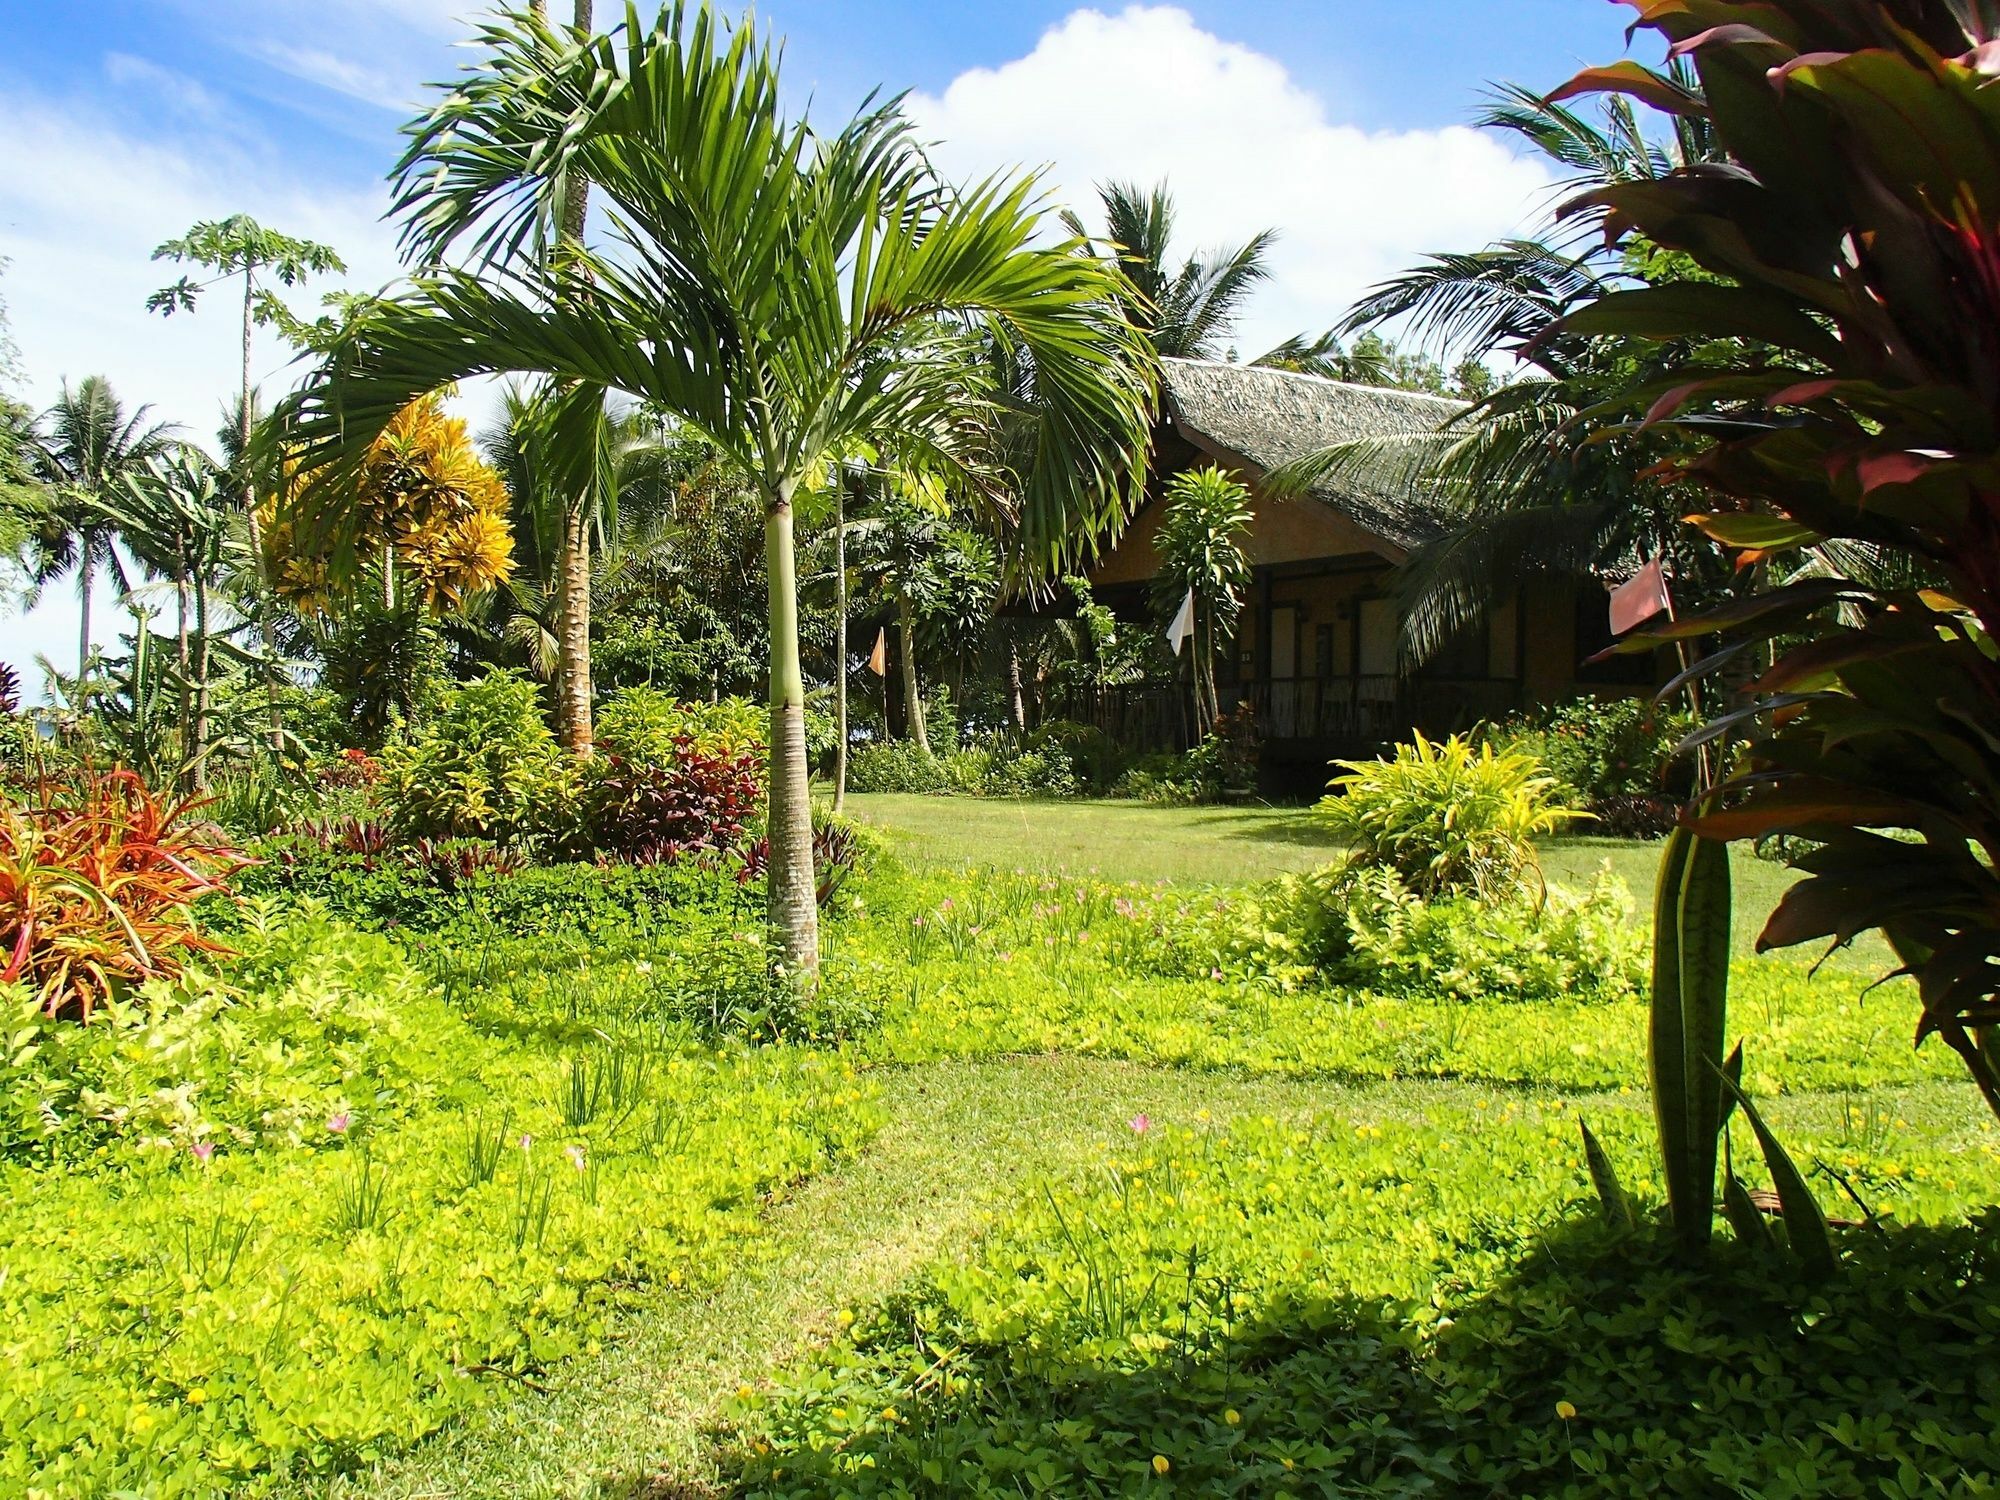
(574,629)
(575,690)
(86,569)
(913,706)
(181,642)
(792,899)
(1015,698)
(839,643)
(266,600)
(201,660)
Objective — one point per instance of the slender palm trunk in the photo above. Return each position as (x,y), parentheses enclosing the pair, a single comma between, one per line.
(181,631)
(791,897)
(266,604)
(913,705)
(1017,701)
(574,686)
(86,573)
(574,629)
(201,661)
(839,644)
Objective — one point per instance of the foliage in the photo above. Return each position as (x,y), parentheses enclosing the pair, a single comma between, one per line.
(1295,1306)
(697,799)
(1384,938)
(240,246)
(1203,525)
(1446,816)
(1000,767)
(485,766)
(97,880)
(1857,251)
(423,505)
(303,1024)
(378,886)
(896,766)
(484,1194)
(645,724)
(1613,757)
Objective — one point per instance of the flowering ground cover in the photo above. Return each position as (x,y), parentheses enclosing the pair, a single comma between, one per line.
(1128,1227)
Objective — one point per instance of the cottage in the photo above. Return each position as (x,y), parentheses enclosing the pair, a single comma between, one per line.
(1316,649)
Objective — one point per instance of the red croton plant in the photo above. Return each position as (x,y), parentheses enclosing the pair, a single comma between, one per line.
(1846,391)
(97,879)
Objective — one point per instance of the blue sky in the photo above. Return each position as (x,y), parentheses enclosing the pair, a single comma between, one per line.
(1340,122)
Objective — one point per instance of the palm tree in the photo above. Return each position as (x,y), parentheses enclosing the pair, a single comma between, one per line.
(1190,311)
(89,445)
(756,271)
(175,515)
(1532,483)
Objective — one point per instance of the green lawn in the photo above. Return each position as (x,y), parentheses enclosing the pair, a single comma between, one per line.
(1229,846)
(1116,840)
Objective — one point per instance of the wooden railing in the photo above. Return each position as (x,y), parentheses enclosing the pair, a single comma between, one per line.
(1355,713)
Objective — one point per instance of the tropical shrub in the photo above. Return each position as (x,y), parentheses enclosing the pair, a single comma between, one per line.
(497,897)
(896,766)
(98,880)
(647,726)
(1445,816)
(1378,934)
(1836,394)
(1612,758)
(486,766)
(698,799)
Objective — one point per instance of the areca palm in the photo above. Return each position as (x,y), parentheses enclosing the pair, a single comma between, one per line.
(88,446)
(755,270)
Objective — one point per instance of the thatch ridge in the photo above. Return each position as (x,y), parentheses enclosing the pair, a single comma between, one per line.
(1272,417)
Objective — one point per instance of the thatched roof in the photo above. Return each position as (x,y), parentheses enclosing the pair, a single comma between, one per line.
(1268,418)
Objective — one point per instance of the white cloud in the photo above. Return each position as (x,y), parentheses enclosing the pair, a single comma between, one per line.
(81,209)
(340,75)
(1146,94)
(178,91)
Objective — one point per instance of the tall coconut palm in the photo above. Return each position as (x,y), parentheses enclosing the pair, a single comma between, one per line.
(89,444)
(755,270)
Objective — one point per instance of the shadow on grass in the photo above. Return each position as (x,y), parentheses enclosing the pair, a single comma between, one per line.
(1597,1365)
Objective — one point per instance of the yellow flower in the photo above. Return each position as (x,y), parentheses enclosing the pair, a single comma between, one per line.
(845,1318)
(744,1392)
(1160,1464)
(196,1396)
(1232,1416)
(1565,1410)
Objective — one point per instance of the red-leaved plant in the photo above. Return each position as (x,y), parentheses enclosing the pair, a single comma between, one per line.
(699,801)
(98,878)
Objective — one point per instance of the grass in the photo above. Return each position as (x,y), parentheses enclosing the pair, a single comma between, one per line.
(1233,845)
(1115,840)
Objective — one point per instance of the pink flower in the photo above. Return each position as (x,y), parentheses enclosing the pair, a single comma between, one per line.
(1215,973)
(339,1123)
(1140,1124)
(203,1150)
(945,905)
(575,1155)
(527,1141)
